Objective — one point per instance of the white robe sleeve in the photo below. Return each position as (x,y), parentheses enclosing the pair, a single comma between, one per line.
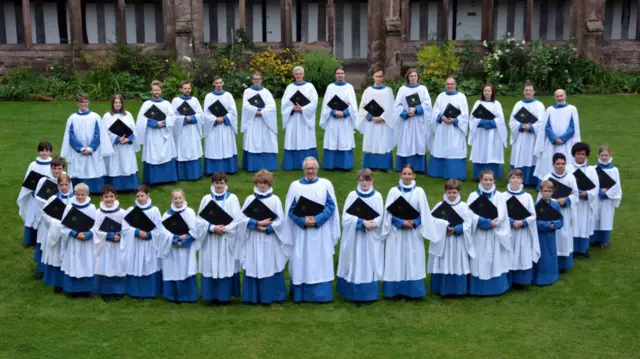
(473,123)
(233,112)
(325,111)
(514,125)
(615,193)
(501,127)
(532,226)
(141,123)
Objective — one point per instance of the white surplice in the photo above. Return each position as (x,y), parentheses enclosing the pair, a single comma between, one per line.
(377,138)
(179,263)
(260,133)
(123,161)
(220,139)
(26,198)
(338,132)
(487,145)
(159,146)
(84,129)
(559,119)
(412,136)
(299,127)
(525,244)
(449,141)
(523,143)
(142,255)
(188,137)
(109,255)
(564,236)
(607,207)
(78,256)
(586,209)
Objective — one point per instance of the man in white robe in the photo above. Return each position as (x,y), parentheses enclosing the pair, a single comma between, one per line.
(523,135)
(314,237)
(559,131)
(259,128)
(449,146)
(299,122)
(188,133)
(338,125)
(220,150)
(85,144)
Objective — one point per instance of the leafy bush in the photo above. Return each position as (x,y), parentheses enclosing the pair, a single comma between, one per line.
(320,69)
(438,61)
(276,68)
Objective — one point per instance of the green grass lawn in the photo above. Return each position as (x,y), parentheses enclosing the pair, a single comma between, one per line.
(592,312)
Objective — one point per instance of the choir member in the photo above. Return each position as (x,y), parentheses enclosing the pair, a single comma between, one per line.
(220,130)
(122,164)
(608,198)
(525,122)
(587,204)
(188,131)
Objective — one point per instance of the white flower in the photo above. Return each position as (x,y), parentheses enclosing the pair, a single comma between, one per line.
(187,58)
(508,34)
(523,42)
(501,76)
(484,43)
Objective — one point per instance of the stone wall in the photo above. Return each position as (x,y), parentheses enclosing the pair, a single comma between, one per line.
(621,55)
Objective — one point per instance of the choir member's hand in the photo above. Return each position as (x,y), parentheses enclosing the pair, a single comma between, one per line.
(183,236)
(258,113)
(266,222)
(82,236)
(552,225)
(123,140)
(450,231)
(142,234)
(444,119)
(116,238)
(412,111)
(219,120)
(261,229)
(339,114)
(494,223)
(161,124)
(368,225)
(377,119)
(583,194)
(527,127)
(559,142)
(604,190)
(407,224)
(219,230)
(177,244)
(517,224)
(86,152)
(297,108)
(309,221)
(562,201)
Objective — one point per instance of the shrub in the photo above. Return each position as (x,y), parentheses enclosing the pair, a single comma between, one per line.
(438,61)
(276,68)
(320,69)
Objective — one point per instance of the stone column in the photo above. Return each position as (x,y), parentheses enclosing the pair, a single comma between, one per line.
(121,22)
(26,21)
(75,12)
(189,28)
(593,36)
(393,38)
(285,18)
(375,32)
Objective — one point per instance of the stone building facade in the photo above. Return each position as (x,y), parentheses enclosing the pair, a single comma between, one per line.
(34,32)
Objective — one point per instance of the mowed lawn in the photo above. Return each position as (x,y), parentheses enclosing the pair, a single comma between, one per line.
(592,312)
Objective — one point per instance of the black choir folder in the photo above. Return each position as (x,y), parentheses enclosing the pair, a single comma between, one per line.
(605,180)
(257,101)
(516,209)
(185,109)
(337,104)
(483,207)
(215,215)
(77,221)
(31,182)
(217,109)
(110,226)
(138,219)
(402,209)
(451,111)
(119,128)
(361,209)
(374,109)
(299,99)
(584,182)
(55,209)
(306,207)
(154,113)
(525,117)
(259,211)
(48,189)
(176,224)
(544,212)
(561,190)
(446,212)
(483,113)
(413,100)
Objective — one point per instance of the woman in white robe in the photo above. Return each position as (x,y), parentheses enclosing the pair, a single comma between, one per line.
(338,126)
(608,200)
(263,246)
(377,131)
(85,144)
(220,150)
(220,280)
(178,253)
(26,198)
(361,261)
(523,135)
(110,254)
(299,123)
(411,130)
(53,275)
(141,250)
(122,165)
(314,237)
(525,245)
(587,200)
(449,257)
(156,137)
(564,236)
(491,239)
(487,138)
(559,131)
(77,250)
(259,128)
(188,132)
(405,267)
(449,145)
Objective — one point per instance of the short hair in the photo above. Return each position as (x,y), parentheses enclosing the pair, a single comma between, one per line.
(580,146)
(558,156)
(81,187)
(156,83)
(108,189)
(184,82)
(82,97)
(515,173)
(529,84)
(142,188)
(113,100)
(263,176)
(452,78)
(44,145)
(310,158)
(485,172)
(64,176)
(409,166)
(176,190)
(377,68)
(409,72)
(547,184)
(219,177)
(297,68)
(58,162)
(365,174)
(452,184)
(604,148)
(216,78)
(341,68)
(493,92)
(257,73)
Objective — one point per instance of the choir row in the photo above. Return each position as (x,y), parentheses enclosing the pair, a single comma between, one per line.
(103,150)
(483,247)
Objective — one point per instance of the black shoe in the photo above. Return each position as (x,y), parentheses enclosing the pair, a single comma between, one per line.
(118,296)
(602,245)
(57,290)
(106,298)
(37,276)
(586,255)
